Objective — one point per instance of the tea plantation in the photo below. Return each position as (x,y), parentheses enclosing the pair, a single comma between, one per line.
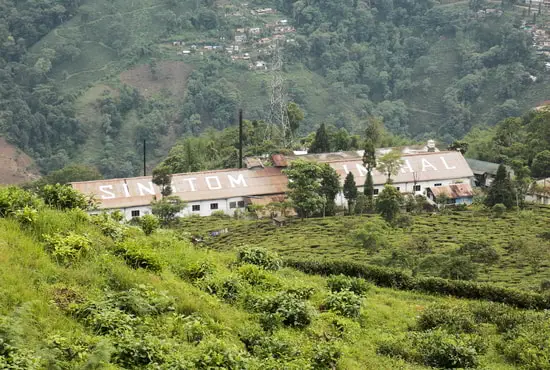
(516,246)
(81,292)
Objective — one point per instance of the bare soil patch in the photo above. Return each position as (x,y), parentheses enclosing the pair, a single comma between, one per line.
(15,166)
(170,75)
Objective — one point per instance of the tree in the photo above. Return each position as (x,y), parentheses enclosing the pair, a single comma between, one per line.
(374,131)
(389,164)
(167,208)
(162,177)
(350,190)
(501,190)
(369,190)
(295,116)
(369,156)
(65,197)
(460,146)
(321,142)
(388,203)
(330,187)
(305,187)
(541,164)
(72,173)
(148,223)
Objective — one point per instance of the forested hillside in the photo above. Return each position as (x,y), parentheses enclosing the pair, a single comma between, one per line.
(88,82)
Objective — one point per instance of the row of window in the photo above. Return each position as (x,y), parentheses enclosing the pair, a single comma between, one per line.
(214,206)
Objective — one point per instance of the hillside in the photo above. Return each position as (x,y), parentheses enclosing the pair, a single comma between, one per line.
(119,72)
(92,293)
(15,166)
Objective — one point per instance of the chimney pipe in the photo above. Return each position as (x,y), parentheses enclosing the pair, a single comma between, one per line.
(240,138)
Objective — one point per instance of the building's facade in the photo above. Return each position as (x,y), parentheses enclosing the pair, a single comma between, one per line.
(451,194)
(539,192)
(229,190)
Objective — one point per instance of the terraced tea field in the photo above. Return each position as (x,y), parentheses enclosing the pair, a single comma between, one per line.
(331,238)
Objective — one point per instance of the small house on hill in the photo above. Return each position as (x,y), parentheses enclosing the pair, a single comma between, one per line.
(484,172)
(451,194)
(539,192)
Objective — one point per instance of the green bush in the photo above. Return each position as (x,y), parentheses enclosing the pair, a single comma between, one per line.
(259,257)
(480,251)
(67,248)
(326,357)
(292,311)
(13,199)
(443,350)
(256,276)
(268,346)
(398,279)
(65,197)
(11,356)
(149,223)
(26,216)
(372,237)
(459,268)
(528,346)
(344,303)
(110,227)
(216,354)
(455,319)
(227,289)
(498,210)
(195,271)
(137,256)
(138,351)
(338,283)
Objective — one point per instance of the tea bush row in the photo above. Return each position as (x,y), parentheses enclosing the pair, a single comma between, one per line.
(397,279)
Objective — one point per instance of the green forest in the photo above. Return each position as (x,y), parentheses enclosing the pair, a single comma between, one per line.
(424,69)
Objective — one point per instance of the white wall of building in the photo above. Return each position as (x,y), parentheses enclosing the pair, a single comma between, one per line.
(406,187)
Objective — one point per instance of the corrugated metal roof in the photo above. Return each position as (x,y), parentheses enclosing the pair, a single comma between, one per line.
(481,167)
(253,163)
(453,191)
(416,168)
(223,184)
(279,160)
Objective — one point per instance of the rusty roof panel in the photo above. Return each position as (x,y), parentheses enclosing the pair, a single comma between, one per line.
(138,191)
(279,160)
(253,163)
(453,191)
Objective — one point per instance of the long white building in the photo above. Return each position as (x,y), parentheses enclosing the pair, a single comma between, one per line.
(229,190)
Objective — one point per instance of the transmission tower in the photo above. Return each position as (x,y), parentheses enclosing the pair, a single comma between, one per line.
(278,113)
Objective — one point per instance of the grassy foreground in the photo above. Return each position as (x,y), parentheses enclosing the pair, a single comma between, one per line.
(81,293)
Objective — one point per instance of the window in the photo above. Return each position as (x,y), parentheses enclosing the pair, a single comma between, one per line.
(135,213)
(375,192)
(397,187)
(438,184)
(241,204)
(213,205)
(232,205)
(196,207)
(417,188)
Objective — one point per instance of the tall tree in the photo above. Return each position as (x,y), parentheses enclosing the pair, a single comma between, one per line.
(501,190)
(330,187)
(295,116)
(321,142)
(389,164)
(162,177)
(369,155)
(369,191)
(541,164)
(304,187)
(374,131)
(389,202)
(350,190)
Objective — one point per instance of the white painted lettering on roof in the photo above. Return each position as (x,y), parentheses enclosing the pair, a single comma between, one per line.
(110,195)
(426,164)
(209,184)
(191,183)
(446,165)
(126,190)
(345,167)
(362,170)
(406,164)
(150,189)
(237,181)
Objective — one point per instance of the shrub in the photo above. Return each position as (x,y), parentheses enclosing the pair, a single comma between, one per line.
(256,276)
(454,319)
(195,271)
(371,237)
(65,197)
(459,268)
(67,248)
(110,227)
(259,257)
(26,216)
(422,244)
(440,349)
(326,357)
(138,256)
(344,303)
(149,223)
(133,351)
(218,355)
(479,251)
(262,346)
(545,285)
(13,199)
(404,221)
(292,311)
(398,279)
(498,210)
(528,346)
(141,300)
(195,328)
(338,283)
(227,289)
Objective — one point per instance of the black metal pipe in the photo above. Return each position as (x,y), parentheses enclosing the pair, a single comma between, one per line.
(240,138)
(144,161)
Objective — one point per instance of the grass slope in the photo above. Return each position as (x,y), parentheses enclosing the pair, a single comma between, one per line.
(97,312)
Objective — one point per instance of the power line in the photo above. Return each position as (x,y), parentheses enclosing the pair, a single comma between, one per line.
(278,112)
